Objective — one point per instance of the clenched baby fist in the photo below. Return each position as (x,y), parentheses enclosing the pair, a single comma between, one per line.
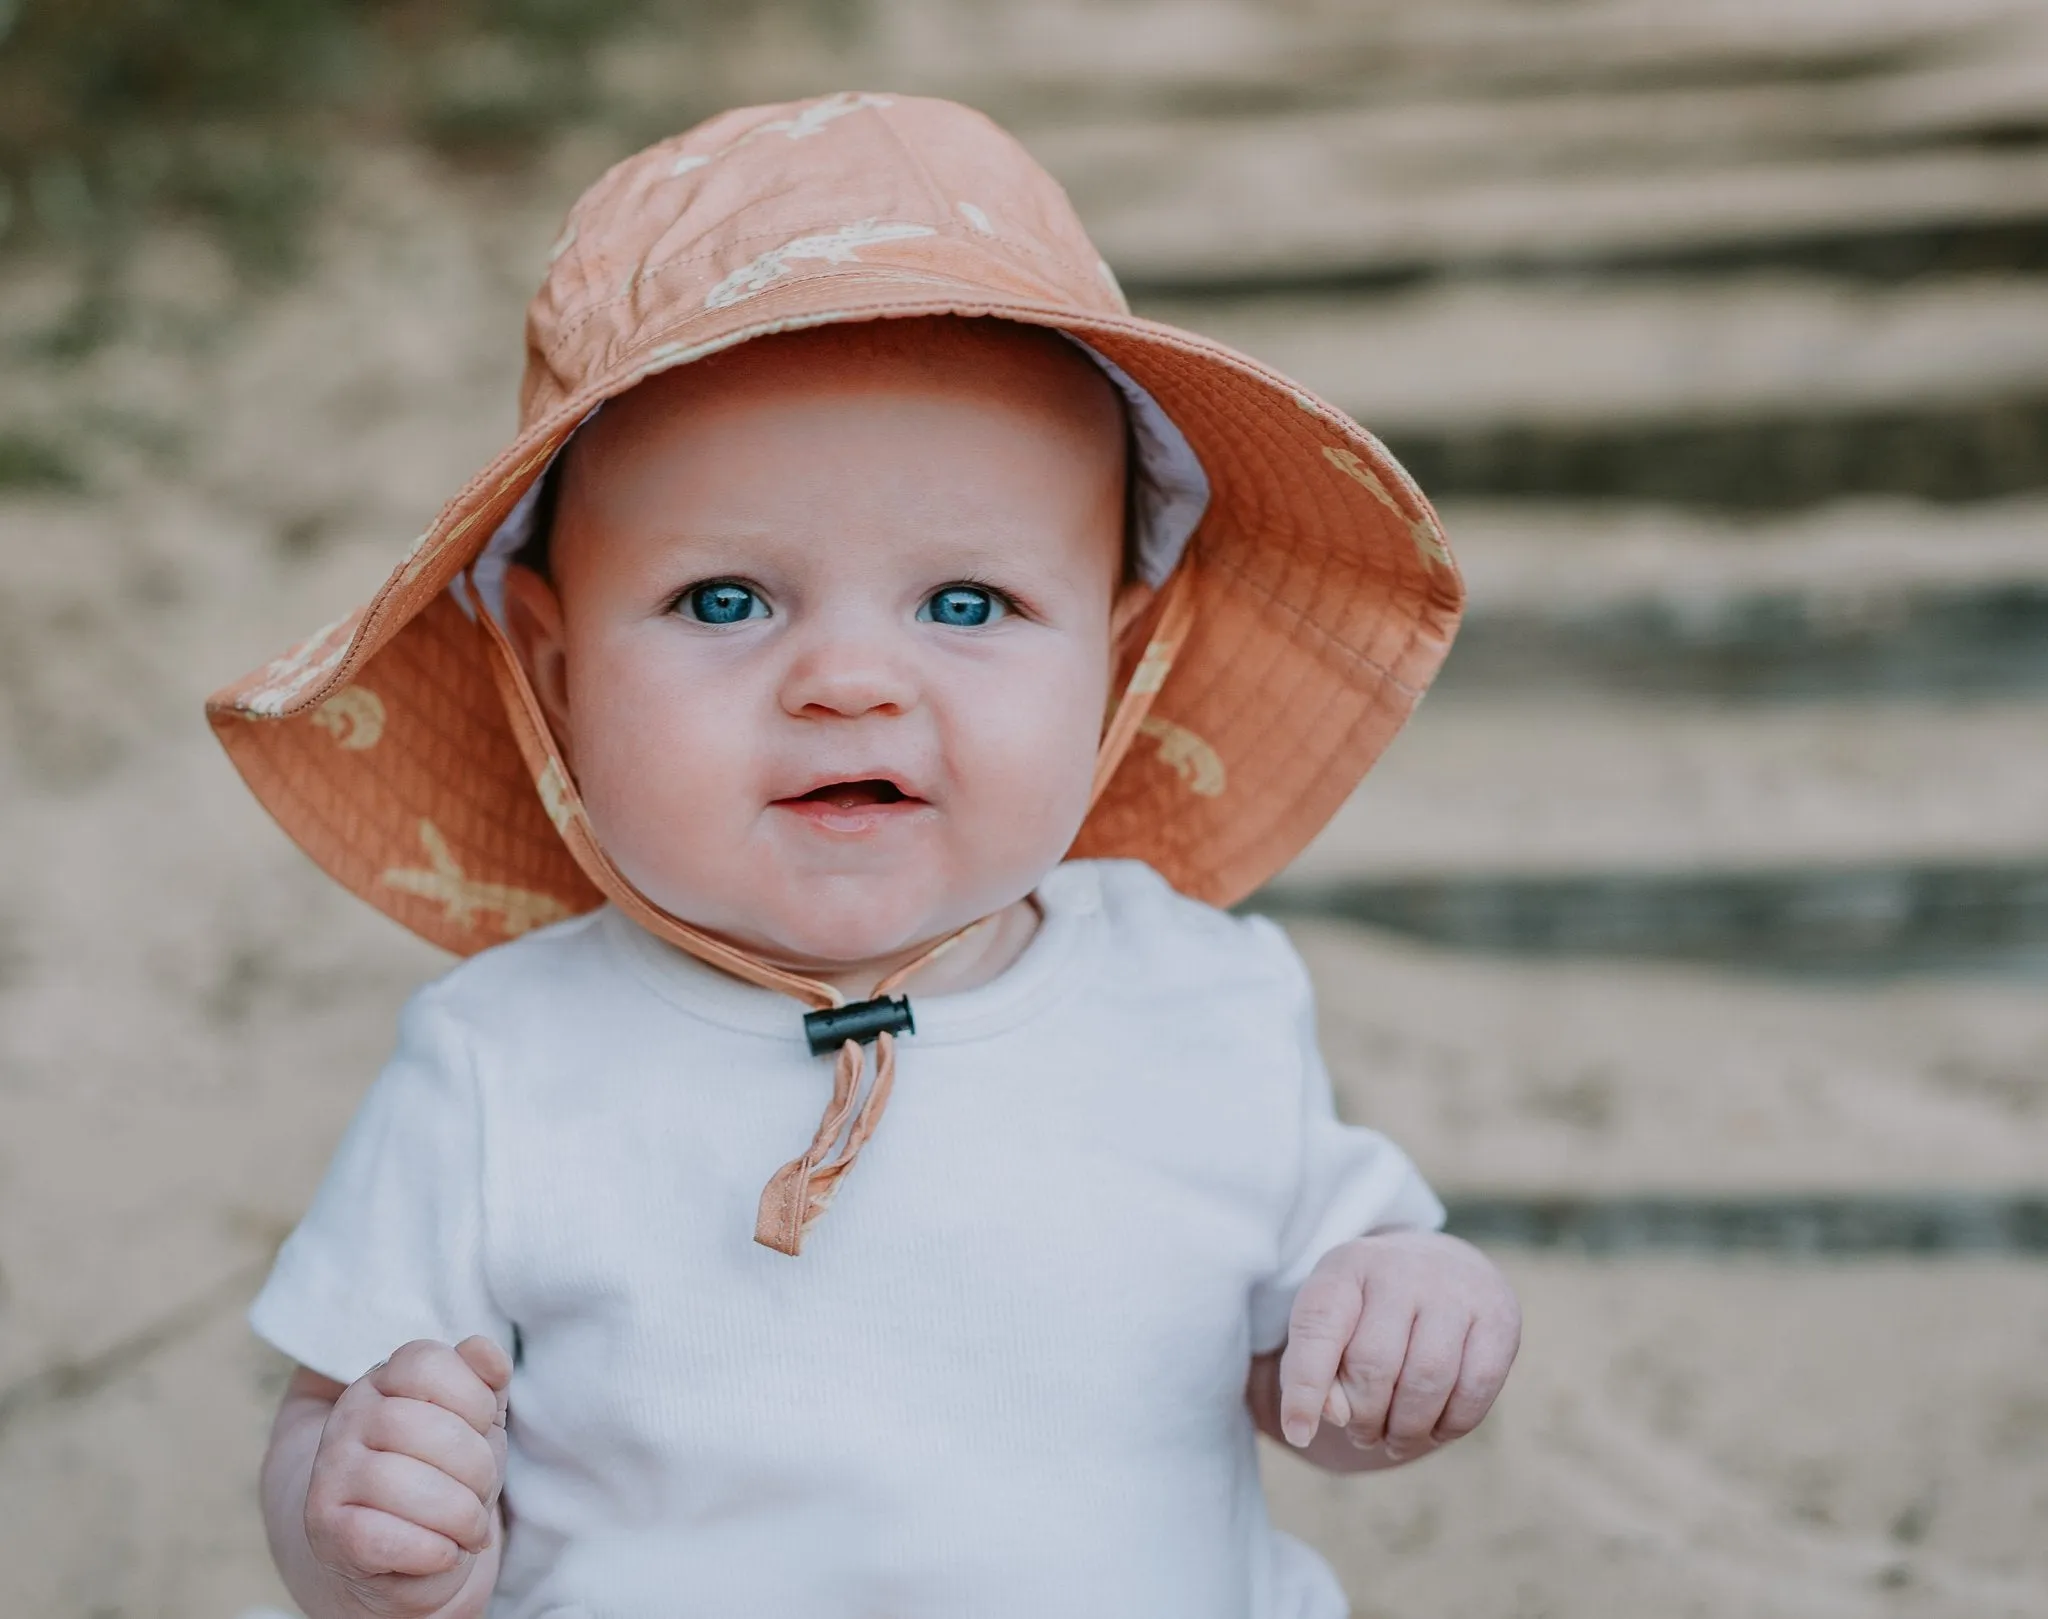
(404,1486)
(1401,1340)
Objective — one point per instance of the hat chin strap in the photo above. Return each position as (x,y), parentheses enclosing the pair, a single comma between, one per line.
(798,1193)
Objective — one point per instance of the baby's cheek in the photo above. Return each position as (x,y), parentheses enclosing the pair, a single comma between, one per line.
(1025,761)
(653,765)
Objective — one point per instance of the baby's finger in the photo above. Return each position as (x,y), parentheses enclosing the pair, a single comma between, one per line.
(484,1357)
(363,1542)
(1429,1371)
(1372,1363)
(1325,1312)
(408,1488)
(436,1436)
(425,1370)
(489,1362)
(1489,1353)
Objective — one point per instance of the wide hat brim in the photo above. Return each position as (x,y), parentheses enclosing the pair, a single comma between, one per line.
(1323,597)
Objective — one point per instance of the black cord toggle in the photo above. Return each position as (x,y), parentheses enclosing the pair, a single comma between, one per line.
(863,1020)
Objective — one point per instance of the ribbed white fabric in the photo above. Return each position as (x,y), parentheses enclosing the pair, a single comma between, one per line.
(1005,1378)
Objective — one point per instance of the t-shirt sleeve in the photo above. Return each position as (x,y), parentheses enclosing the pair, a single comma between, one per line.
(392,1247)
(1351,1180)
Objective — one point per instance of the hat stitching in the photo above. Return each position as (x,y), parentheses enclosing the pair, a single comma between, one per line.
(502,834)
(554,795)
(1422,531)
(1157,340)
(1347,653)
(648,270)
(277,783)
(934,193)
(566,329)
(1230,836)
(570,324)
(665,356)
(1303,625)
(814,118)
(286,678)
(1115,286)
(832,247)
(1431,586)
(941,196)
(431,552)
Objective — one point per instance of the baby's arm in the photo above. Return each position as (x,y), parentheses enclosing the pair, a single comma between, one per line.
(381,1497)
(1397,1344)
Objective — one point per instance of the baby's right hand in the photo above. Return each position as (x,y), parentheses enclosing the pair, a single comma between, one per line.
(405,1481)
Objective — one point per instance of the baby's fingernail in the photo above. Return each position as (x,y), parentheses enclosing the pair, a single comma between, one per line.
(1299,1431)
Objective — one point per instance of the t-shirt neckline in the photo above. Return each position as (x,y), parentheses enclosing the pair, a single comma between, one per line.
(1070,905)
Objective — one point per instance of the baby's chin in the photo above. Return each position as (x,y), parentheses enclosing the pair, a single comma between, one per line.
(830,927)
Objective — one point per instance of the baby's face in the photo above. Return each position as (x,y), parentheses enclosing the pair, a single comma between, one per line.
(827,642)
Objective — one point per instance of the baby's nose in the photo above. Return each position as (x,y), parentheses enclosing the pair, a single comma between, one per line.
(847,672)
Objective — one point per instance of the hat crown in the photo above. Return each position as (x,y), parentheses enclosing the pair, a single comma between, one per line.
(660,258)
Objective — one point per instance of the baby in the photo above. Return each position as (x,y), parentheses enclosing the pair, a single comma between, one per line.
(872,617)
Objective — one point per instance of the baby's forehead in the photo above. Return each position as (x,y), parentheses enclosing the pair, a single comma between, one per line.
(1030,370)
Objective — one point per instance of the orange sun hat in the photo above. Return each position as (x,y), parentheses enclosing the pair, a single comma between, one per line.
(1314,601)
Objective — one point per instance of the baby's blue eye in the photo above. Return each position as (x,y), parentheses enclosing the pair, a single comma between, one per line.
(963,607)
(723,602)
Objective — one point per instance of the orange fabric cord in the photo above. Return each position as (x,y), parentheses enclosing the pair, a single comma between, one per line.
(1176,614)
(801,1190)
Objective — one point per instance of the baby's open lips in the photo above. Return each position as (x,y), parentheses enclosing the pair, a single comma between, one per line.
(867,792)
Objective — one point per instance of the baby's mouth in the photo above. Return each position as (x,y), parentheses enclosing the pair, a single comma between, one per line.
(855,807)
(853,795)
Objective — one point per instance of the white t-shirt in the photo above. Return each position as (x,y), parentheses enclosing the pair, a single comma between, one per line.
(1006,1376)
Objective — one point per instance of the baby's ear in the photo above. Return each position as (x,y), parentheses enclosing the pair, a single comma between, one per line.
(1133,596)
(533,624)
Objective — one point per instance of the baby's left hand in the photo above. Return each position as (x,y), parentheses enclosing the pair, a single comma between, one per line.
(1401,1340)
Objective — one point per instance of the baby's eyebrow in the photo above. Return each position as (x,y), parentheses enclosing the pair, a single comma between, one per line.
(669,548)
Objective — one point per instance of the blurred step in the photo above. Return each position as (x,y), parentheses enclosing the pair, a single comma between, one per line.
(1855,600)
(1676,350)
(1844,1225)
(1602,1079)
(1725,1441)
(1968,452)
(1748,392)
(1948,642)
(1834,920)
(1556,558)
(1236,206)
(1220,143)
(1580,787)
(1235,55)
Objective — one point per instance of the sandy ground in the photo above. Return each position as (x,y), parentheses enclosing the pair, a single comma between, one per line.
(1684,1440)
(188,1012)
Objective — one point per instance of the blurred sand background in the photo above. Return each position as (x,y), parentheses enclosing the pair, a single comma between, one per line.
(1716,871)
